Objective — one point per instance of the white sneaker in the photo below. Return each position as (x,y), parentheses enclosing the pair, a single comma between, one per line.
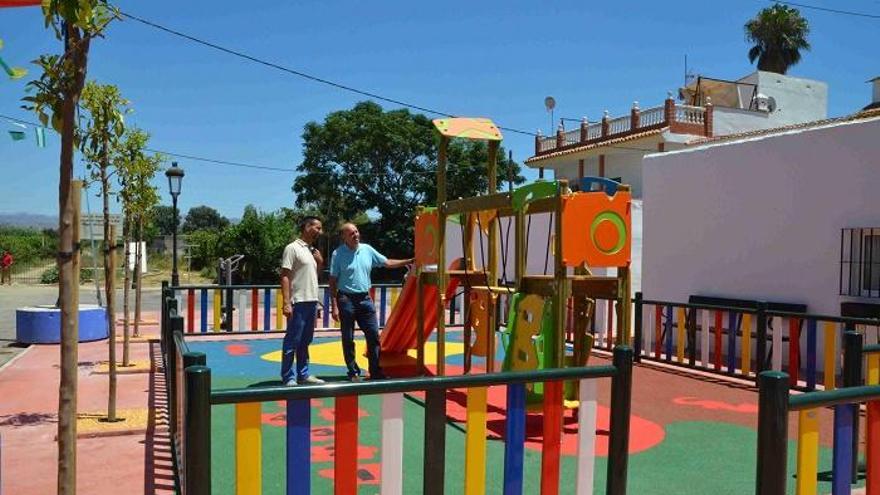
(312,380)
(290,383)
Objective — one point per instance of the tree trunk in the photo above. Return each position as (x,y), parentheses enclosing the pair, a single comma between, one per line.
(125,291)
(109,252)
(69,193)
(137,276)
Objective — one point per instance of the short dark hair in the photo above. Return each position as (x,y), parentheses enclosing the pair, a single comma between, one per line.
(306,221)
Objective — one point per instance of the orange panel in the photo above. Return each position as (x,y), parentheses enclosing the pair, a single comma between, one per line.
(479,313)
(427,225)
(596,229)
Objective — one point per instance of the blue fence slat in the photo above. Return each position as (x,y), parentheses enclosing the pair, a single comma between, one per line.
(732,325)
(203,310)
(267,309)
(515,437)
(299,443)
(326,308)
(383,298)
(841,458)
(667,326)
(811,354)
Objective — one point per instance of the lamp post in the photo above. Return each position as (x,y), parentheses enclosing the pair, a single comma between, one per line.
(175,178)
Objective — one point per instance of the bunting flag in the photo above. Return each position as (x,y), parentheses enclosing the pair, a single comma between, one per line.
(17,135)
(40,135)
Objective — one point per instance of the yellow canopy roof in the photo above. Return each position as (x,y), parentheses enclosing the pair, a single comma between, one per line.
(468,128)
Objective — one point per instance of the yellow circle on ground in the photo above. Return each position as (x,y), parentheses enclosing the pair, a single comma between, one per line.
(330,353)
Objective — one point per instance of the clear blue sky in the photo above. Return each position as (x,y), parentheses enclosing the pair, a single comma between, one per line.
(497,59)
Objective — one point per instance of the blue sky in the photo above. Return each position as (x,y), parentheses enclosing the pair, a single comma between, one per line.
(497,59)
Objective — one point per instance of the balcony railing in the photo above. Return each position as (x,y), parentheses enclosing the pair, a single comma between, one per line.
(683,119)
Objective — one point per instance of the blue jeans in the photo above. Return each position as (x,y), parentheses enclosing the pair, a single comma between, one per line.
(300,330)
(359,308)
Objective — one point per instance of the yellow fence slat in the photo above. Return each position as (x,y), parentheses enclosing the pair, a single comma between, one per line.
(807,451)
(475,442)
(248,449)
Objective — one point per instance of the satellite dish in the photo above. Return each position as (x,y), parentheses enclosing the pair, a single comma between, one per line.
(549,103)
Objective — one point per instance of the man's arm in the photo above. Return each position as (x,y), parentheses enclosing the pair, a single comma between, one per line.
(285,292)
(331,285)
(389,263)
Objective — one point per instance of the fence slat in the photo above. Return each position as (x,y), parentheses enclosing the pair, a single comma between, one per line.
(255,309)
(794,350)
(435,442)
(242,305)
(383,297)
(830,345)
(217,310)
(682,336)
(873,372)
(475,442)
(732,320)
(552,445)
(326,308)
(658,330)
(203,307)
(267,310)
(299,442)
(872,448)
(811,354)
(248,449)
(392,444)
(279,310)
(746,344)
(190,310)
(718,329)
(841,457)
(704,338)
(586,455)
(648,333)
(807,451)
(777,345)
(345,441)
(514,438)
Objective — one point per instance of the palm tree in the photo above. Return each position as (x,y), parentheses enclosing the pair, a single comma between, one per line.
(779,33)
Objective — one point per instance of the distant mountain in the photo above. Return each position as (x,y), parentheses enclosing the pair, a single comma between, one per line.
(29,220)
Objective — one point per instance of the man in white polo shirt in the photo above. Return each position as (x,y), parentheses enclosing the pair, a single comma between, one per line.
(299,288)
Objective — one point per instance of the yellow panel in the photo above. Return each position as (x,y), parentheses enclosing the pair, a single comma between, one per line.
(248,449)
(468,128)
(746,344)
(830,342)
(682,337)
(807,451)
(279,311)
(475,442)
(217,310)
(873,369)
(395,293)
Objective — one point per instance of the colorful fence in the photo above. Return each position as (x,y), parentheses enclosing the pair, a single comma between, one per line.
(191,401)
(257,308)
(742,342)
(774,404)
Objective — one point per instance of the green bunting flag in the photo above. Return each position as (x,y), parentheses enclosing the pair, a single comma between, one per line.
(41,136)
(17,135)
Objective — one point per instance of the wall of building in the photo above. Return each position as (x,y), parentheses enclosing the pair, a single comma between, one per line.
(761,218)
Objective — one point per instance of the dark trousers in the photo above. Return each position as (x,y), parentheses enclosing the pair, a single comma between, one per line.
(359,308)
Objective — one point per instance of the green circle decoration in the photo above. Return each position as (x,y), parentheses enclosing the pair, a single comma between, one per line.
(618,223)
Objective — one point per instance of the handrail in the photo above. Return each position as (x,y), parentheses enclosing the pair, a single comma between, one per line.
(259,286)
(825,398)
(180,343)
(871,349)
(403,385)
(732,309)
(828,318)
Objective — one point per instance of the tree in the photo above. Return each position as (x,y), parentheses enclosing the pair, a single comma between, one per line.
(100,141)
(779,33)
(261,238)
(55,99)
(369,160)
(135,170)
(162,219)
(203,218)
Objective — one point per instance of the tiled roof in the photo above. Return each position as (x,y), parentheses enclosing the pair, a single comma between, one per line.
(601,144)
(864,114)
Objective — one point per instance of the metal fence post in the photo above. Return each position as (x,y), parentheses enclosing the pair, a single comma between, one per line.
(175,325)
(772,433)
(229,310)
(852,377)
(618,442)
(637,331)
(196,472)
(761,334)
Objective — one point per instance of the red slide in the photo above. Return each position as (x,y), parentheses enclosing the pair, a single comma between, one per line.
(399,334)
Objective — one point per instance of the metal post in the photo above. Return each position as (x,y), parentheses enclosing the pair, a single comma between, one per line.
(637,322)
(772,433)
(852,377)
(761,334)
(197,444)
(175,278)
(618,443)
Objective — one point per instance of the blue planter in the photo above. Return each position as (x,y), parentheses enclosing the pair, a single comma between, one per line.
(42,324)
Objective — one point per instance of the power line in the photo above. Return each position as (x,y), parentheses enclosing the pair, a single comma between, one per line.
(299,73)
(829,10)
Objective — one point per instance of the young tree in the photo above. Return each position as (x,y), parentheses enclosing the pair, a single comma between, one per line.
(105,124)
(135,170)
(55,98)
(366,159)
(779,33)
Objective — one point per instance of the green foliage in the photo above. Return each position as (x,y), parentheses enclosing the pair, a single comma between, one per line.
(261,238)
(28,244)
(136,170)
(204,248)
(778,34)
(12,72)
(162,220)
(369,160)
(204,218)
(50,275)
(105,110)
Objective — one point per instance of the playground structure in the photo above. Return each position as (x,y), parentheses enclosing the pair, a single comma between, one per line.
(591,229)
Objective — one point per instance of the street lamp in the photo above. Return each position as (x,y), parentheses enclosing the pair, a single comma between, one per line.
(175,178)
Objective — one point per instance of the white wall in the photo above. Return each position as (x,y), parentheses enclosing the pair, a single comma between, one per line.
(759,219)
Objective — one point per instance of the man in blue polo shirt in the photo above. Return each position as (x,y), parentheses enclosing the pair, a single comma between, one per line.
(350,285)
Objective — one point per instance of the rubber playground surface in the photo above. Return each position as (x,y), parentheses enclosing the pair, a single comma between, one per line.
(689,434)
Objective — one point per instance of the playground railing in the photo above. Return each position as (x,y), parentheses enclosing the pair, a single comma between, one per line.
(257,308)
(196,443)
(774,404)
(743,341)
